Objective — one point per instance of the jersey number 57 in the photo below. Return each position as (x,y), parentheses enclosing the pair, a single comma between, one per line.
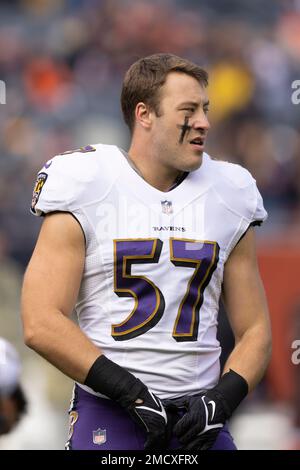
(149,305)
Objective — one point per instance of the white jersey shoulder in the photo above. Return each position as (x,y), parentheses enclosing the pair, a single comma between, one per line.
(237,189)
(75,178)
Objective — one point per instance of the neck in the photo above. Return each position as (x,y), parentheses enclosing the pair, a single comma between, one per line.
(151,169)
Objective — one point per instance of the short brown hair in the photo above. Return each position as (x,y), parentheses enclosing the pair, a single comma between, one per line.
(146,76)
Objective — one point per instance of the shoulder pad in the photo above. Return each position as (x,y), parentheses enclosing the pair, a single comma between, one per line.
(238,191)
(72,179)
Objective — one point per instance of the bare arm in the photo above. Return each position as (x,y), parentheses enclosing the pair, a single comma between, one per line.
(245,302)
(50,290)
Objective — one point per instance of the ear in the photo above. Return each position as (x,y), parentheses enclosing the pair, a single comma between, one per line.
(143,115)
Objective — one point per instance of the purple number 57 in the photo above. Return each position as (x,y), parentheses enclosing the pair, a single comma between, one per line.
(201,256)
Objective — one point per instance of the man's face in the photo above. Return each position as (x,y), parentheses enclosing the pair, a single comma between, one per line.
(183,118)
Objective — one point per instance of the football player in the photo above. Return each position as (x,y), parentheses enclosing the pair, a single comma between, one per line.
(142,244)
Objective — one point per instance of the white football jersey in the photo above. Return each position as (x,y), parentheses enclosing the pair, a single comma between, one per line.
(154,263)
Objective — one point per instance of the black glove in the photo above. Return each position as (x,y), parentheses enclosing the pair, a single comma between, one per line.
(152,417)
(207,413)
(198,428)
(146,409)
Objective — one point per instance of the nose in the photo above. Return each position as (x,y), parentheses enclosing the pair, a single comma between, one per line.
(201,122)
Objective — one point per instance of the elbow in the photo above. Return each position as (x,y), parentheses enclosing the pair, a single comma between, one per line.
(35,338)
(34,331)
(31,332)
(264,332)
(35,320)
(264,343)
(30,336)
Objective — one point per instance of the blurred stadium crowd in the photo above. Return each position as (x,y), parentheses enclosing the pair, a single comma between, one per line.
(63,62)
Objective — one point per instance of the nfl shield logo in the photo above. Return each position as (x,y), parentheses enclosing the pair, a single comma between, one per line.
(99,436)
(167,207)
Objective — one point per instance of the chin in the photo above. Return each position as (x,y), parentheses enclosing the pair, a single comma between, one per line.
(194,163)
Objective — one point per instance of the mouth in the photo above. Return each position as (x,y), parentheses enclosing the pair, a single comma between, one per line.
(198,143)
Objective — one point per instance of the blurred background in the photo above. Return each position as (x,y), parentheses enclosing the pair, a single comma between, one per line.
(63,63)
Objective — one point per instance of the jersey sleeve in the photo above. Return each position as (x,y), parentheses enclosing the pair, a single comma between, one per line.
(53,190)
(67,182)
(254,210)
(240,193)
(76,182)
(259,214)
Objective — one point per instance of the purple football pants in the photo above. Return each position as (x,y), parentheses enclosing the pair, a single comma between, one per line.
(101,424)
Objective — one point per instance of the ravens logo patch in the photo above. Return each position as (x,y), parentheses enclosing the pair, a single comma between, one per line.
(41,180)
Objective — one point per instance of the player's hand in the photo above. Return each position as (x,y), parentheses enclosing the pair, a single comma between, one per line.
(112,380)
(205,416)
(149,413)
